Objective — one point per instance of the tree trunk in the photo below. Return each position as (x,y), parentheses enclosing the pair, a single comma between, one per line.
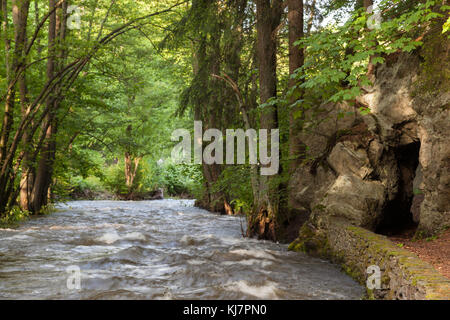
(9,100)
(263,220)
(131,168)
(20,10)
(27,177)
(44,173)
(371,66)
(311,16)
(296,59)
(297,148)
(209,109)
(198,68)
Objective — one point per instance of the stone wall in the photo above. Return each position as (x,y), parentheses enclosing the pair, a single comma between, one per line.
(403,274)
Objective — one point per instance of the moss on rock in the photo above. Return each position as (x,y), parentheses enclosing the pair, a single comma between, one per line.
(403,274)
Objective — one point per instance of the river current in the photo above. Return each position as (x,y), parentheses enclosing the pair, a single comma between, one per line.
(165,249)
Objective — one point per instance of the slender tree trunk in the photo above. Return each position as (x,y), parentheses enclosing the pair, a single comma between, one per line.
(215,107)
(130,159)
(131,169)
(263,221)
(128,169)
(297,148)
(198,68)
(27,177)
(20,10)
(371,66)
(44,173)
(253,104)
(296,60)
(10,94)
(20,17)
(131,163)
(311,16)
(209,109)
(28,166)
(9,101)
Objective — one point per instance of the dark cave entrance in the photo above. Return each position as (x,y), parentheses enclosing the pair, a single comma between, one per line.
(397,217)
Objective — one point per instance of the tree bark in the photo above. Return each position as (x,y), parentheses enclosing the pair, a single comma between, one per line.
(44,173)
(371,66)
(131,168)
(311,16)
(297,148)
(296,60)
(209,106)
(27,176)
(20,10)
(263,220)
(130,159)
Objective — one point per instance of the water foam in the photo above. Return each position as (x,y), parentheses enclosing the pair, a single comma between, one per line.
(259,254)
(111,237)
(249,262)
(266,291)
(196,262)
(187,240)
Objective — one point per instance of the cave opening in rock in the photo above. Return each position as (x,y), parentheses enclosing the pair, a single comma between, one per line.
(397,217)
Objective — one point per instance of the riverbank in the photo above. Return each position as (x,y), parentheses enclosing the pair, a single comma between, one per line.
(92,195)
(403,275)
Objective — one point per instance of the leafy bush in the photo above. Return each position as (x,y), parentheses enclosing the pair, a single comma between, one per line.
(176,180)
(235,183)
(181,179)
(13,217)
(114,179)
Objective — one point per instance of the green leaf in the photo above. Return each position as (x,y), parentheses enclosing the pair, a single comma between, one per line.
(446,26)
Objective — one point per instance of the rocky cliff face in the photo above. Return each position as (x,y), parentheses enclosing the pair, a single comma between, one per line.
(388,169)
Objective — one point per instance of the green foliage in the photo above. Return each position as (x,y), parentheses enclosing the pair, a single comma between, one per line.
(180,179)
(124,103)
(90,183)
(434,77)
(176,180)
(235,183)
(114,180)
(47,209)
(13,217)
(338,56)
(446,25)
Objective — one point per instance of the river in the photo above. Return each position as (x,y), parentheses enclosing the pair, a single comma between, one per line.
(165,249)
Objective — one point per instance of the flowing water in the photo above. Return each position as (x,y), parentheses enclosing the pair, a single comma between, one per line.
(164,249)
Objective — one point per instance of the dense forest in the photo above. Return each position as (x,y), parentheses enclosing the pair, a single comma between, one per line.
(93,89)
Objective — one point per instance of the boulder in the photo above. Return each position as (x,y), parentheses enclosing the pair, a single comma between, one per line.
(359,201)
(360,164)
